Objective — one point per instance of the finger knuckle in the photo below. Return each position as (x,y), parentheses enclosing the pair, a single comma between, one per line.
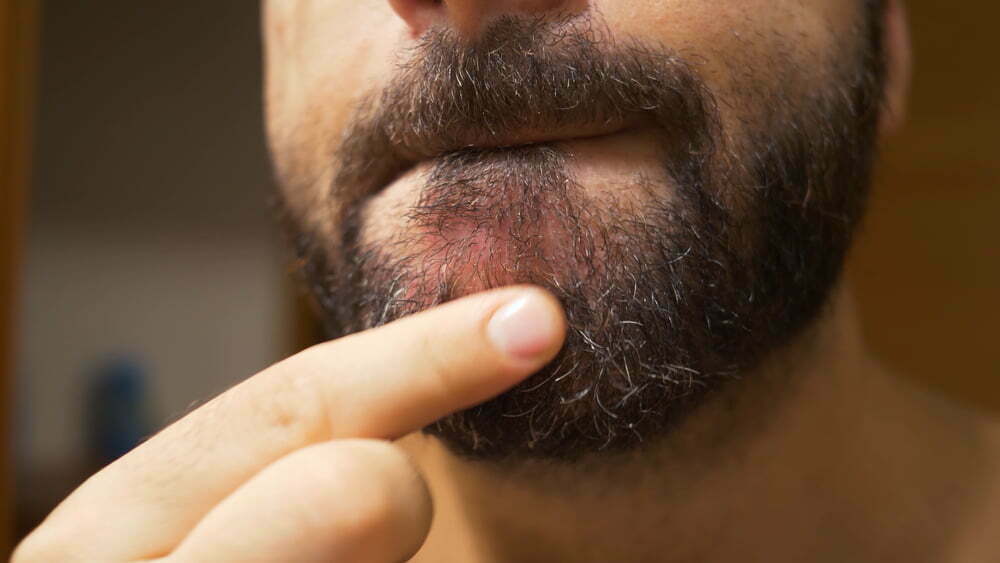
(386,491)
(442,366)
(289,405)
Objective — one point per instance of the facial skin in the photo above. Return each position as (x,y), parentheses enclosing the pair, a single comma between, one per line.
(684,177)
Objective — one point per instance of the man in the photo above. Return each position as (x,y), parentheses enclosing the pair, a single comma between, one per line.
(593,250)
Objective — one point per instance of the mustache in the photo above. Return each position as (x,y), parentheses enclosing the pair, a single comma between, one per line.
(524,81)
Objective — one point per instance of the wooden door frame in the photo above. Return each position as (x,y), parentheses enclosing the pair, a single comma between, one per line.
(18,62)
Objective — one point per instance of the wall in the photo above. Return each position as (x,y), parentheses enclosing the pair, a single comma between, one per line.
(149,232)
(18,47)
(927,267)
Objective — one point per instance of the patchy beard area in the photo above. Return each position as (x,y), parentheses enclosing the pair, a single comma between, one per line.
(479,219)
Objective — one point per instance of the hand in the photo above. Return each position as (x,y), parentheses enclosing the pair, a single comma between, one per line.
(295,463)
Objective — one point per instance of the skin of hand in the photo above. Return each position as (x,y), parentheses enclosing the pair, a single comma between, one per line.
(296,463)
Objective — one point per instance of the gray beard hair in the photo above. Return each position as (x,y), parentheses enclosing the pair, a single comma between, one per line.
(664,306)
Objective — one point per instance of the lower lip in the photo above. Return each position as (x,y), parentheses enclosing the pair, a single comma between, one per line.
(606,167)
(621,145)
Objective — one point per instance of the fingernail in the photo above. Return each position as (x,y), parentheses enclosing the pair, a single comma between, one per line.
(525,327)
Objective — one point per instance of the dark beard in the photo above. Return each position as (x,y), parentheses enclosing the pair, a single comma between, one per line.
(734,252)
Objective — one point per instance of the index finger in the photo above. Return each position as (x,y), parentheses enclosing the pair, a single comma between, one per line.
(381,383)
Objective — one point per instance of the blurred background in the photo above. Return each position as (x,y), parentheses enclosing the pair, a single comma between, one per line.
(141,271)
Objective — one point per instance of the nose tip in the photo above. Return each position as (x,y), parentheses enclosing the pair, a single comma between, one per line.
(418,14)
(467,17)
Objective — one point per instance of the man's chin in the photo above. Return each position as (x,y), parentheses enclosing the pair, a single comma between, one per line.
(617,382)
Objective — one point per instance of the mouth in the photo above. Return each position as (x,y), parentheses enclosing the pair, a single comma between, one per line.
(416,152)
(409,152)
(398,151)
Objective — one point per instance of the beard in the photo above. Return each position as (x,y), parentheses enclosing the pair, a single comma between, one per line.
(673,286)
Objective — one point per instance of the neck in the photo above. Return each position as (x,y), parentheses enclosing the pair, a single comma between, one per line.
(822,456)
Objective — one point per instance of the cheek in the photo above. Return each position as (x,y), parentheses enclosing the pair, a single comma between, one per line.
(322,57)
(343,49)
(751,54)
(727,38)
